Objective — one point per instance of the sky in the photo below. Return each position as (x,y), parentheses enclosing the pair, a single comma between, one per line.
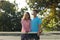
(21,3)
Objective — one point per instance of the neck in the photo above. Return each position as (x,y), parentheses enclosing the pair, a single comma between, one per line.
(26,19)
(34,16)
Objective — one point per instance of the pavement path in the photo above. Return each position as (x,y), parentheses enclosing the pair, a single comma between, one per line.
(45,36)
(10,38)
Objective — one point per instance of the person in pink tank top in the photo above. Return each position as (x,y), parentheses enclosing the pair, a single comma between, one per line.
(25,25)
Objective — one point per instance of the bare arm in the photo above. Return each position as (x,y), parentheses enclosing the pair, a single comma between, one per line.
(39,30)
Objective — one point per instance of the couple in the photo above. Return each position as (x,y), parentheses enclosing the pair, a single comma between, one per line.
(31,25)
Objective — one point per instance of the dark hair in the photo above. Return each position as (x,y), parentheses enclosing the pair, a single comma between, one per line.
(36,11)
(28,14)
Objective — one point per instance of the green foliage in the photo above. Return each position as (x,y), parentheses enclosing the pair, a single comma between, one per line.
(41,3)
(8,7)
(9,19)
(49,22)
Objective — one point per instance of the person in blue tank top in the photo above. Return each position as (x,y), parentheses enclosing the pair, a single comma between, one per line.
(35,26)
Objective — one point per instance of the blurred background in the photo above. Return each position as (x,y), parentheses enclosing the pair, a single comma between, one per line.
(11,12)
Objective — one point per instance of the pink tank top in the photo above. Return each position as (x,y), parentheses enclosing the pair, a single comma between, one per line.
(25,25)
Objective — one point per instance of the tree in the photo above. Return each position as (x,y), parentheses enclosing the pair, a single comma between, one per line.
(9,20)
(50,21)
